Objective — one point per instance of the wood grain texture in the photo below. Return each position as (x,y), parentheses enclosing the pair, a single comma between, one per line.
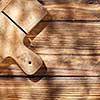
(3,4)
(70,88)
(73,9)
(70,47)
(47,2)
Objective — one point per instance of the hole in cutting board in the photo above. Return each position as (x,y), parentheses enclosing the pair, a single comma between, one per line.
(30,62)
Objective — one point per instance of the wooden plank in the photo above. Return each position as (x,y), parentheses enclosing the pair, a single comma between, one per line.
(72,9)
(67,10)
(69,48)
(48,2)
(51,88)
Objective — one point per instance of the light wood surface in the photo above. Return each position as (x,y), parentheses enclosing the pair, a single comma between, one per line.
(3,4)
(27,13)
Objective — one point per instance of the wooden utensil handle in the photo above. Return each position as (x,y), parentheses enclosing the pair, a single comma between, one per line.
(28,61)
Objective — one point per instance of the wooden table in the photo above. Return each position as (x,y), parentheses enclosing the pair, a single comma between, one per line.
(68,42)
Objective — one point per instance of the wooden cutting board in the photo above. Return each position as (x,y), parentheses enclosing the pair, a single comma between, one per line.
(13,30)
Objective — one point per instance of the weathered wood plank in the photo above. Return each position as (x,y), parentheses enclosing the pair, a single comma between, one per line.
(67,10)
(73,12)
(69,48)
(47,2)
(73,9)
(54,88)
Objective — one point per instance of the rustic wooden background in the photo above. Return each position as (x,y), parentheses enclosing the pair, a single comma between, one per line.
(69,46)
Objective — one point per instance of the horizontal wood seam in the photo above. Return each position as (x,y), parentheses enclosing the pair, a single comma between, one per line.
(48,76)
(72,21)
